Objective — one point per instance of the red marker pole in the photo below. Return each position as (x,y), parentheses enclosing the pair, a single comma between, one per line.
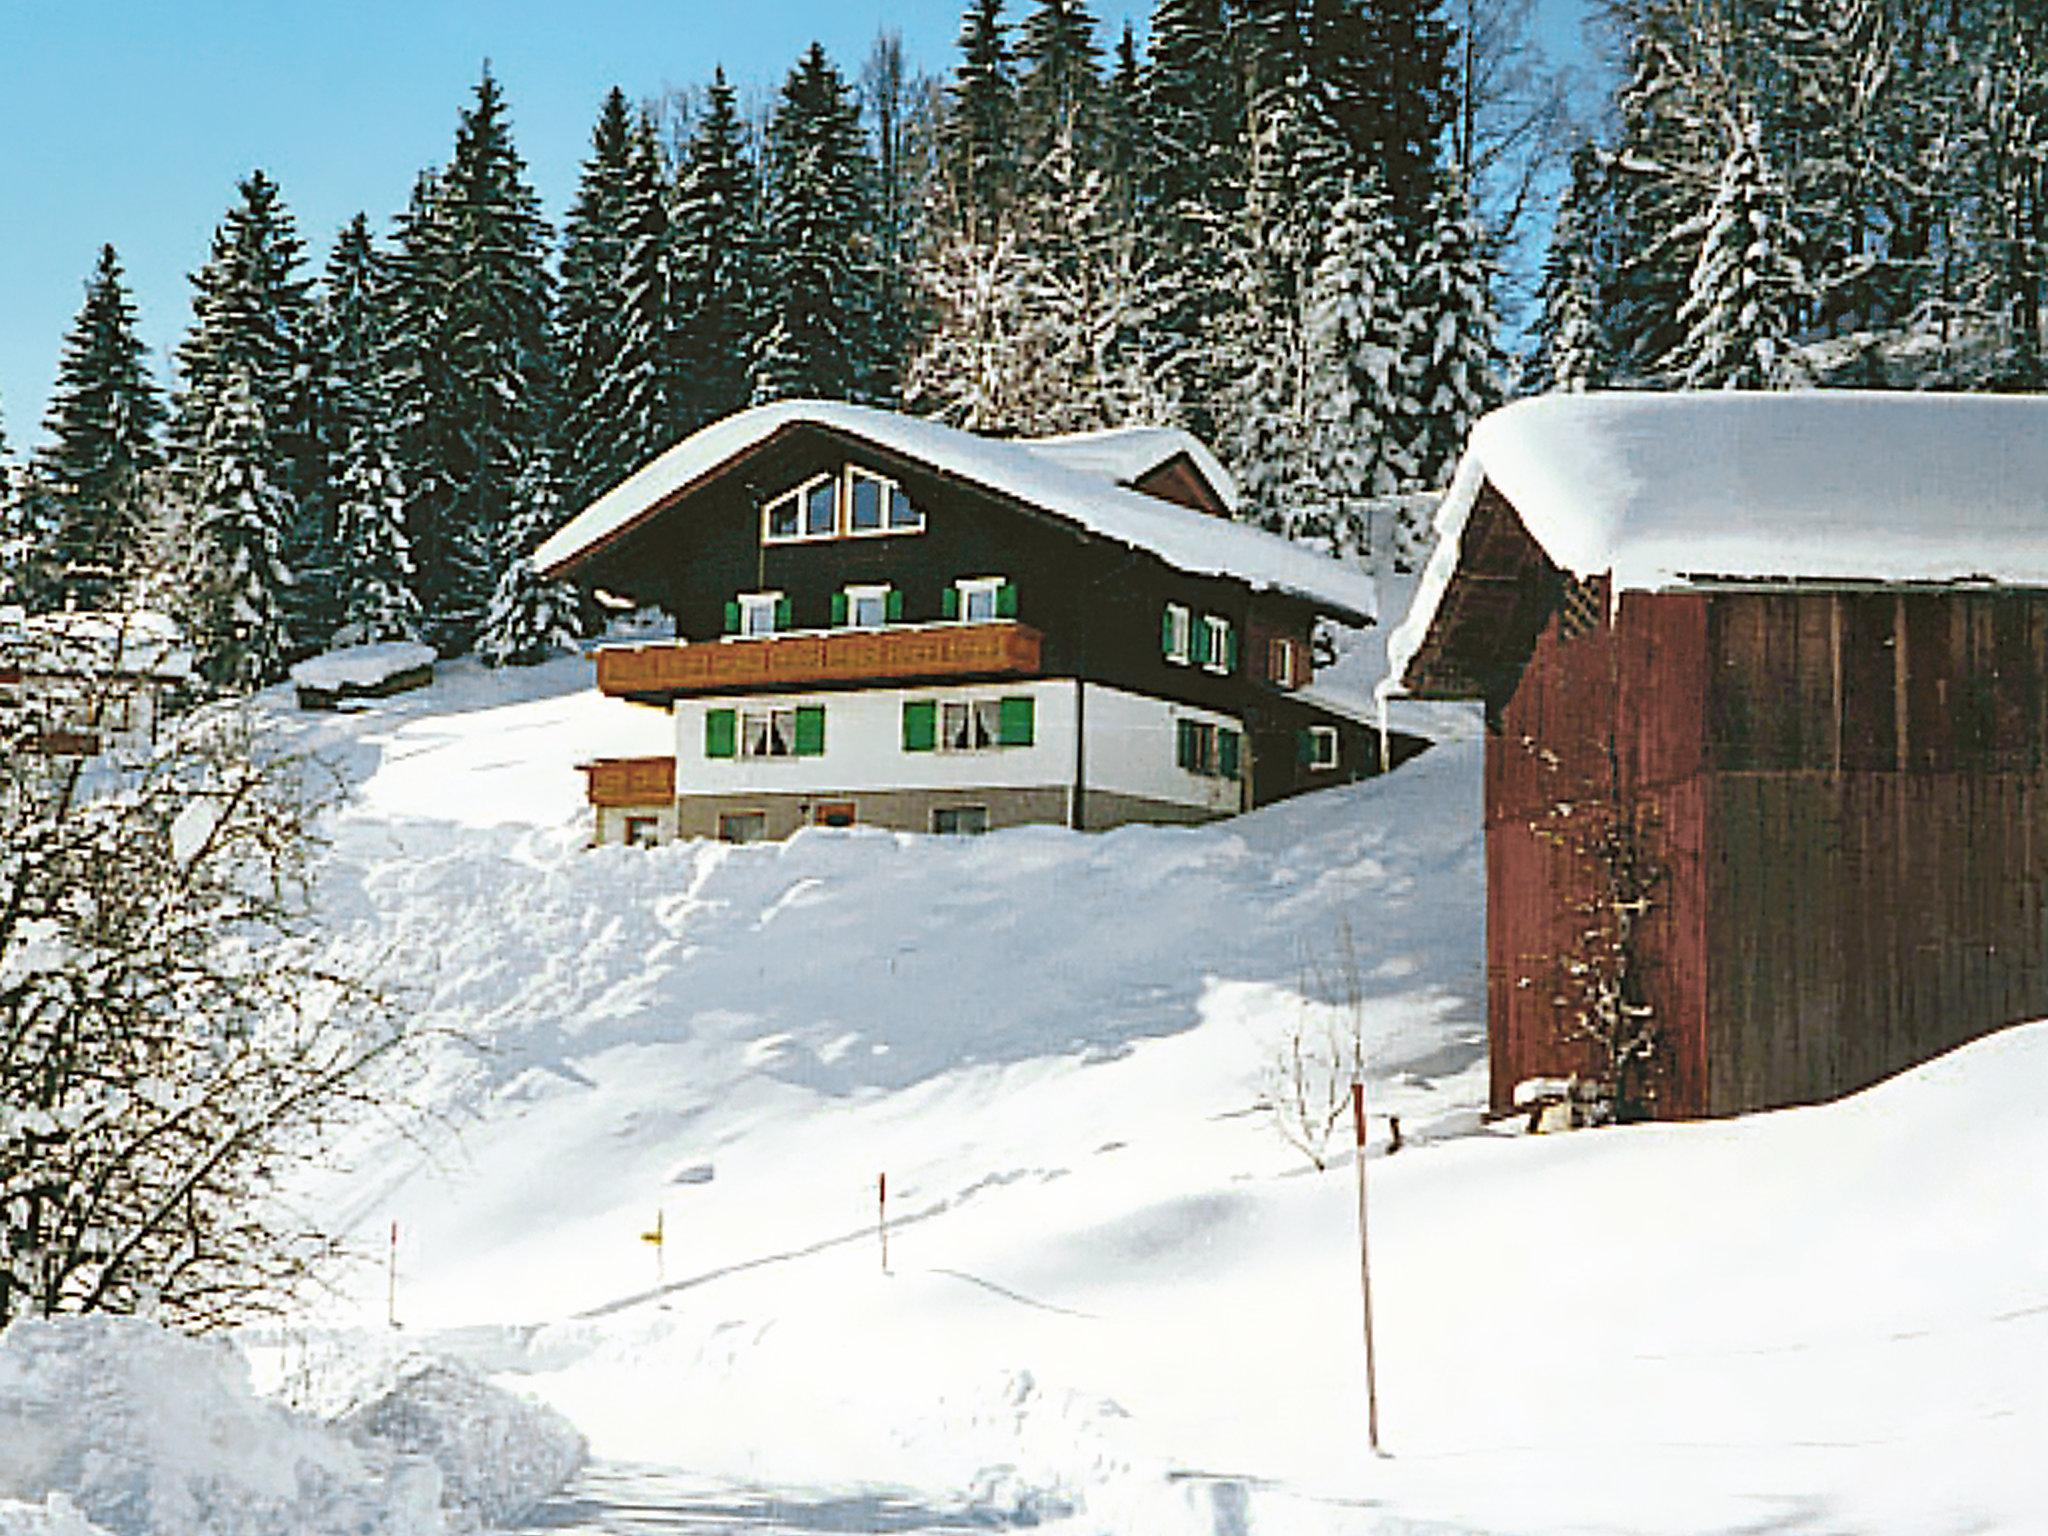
(882,1216)
(1372,1385)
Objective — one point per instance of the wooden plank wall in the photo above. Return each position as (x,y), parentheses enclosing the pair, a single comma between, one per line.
(1880,811)
(1633,684)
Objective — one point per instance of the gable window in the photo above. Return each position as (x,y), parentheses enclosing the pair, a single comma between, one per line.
(1176,634)
(757,613)
(867,607)
(1320,747)
(877,504)
(981,599)
(811,511)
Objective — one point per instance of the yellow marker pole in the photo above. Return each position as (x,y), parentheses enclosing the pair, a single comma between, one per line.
(1372,1383)
(654,1237)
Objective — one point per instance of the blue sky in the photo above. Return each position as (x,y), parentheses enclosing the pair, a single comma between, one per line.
(131,122)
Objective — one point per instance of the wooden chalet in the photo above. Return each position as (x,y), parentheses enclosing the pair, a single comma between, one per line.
(1801,641)
(97,682)
(882,620)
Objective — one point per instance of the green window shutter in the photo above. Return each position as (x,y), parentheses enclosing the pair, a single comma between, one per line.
(1166,632)
(895,606)
(1201,629)
(838,607)
(1304,747)
(1006,600)
(1230,649)
(951,603)
(732,618)
(810,730)
(1018,723)
(782,612)
(721,732)
(1227,753)
(1184,744)
(920,725)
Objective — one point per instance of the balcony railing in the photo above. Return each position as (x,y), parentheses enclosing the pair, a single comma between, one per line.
(618,781)
(1000,649)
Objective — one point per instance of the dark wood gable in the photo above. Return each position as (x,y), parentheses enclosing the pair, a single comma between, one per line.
(1178,480)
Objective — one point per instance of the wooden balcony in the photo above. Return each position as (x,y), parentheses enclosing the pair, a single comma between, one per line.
(628,781)
(1000,649)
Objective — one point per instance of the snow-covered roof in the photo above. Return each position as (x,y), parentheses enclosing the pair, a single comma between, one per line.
(1662,491)
(1127,454)
(136,644)
(1027,472)
(362,666)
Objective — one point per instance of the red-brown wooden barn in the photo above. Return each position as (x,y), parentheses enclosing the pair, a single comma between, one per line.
(1802,641)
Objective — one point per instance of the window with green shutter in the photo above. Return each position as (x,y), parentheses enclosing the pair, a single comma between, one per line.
(920,725)
(1230,649)
(810,730)
(1201,646)
(895,606)
(950,603)
(1019,721)
(732,618)
(1227,753)
(782,613)
(1185,746)
(1006,600)
(838,608)
(721,732)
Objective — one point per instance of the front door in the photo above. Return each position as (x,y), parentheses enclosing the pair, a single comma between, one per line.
(833,813)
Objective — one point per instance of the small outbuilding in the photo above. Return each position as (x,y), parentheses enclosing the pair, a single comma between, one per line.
(1788,653)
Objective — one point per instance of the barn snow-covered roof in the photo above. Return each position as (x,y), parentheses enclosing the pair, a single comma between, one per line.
(1668,491)
(1055,477)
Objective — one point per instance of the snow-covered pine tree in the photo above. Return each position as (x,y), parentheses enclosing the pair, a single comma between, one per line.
(1123,114)
(1570,351)
(1384,70)
(488,395)
(377,597)
(821,282)
(970,369)
(104,413)
(239,619)
(253,325)
(1453,371)
(1747,286)
(530,618)
(1355,335)
(1192,176)
(718,262)
(590,320)
(18,544)
(978,145)
(640,400)
(2008,281)
(897,105)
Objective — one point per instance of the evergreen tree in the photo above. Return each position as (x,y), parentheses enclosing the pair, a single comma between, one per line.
(640,401)
(822,284)
(1355,334)
(529,618)
(896,104)
(718,256)
(239,619)
(1746,287)
(2009,266)
(1570,352)
(414,365)
(18,544)
(103,418)
(1452,356)
(377,597)
(1123,114)
(590,319)
(1386,69)
(1059,86)
(478,390)
(971,368)
(978,148)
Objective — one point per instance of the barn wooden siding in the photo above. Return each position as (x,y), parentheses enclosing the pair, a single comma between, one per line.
(1850,791)
(1880,813)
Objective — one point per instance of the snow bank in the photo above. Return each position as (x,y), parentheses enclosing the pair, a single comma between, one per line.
(1189,540)
(1663,490)
(362,666)
(55,1516)
(150,1432)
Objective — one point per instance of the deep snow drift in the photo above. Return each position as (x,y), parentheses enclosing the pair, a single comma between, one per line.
(1115,1299)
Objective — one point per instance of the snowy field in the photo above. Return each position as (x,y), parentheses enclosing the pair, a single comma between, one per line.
(1116,1302)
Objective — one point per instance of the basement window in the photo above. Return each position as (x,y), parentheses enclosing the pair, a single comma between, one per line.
(959,819)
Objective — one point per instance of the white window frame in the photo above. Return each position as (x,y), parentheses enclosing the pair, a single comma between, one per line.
(1219,643)
(1325,753)
(1182,619)
(771,712)
(749,603)
(889,486)
(866,589)
(801,495)
(972,586)
(954,810)
(718,826)
(1284,674)
(975,706)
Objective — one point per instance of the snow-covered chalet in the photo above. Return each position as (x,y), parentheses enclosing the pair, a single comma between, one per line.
(1796,647)
(881,620)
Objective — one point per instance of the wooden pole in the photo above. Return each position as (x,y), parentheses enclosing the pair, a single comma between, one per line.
(882,1216)
(391,1281)
(1372,1384)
